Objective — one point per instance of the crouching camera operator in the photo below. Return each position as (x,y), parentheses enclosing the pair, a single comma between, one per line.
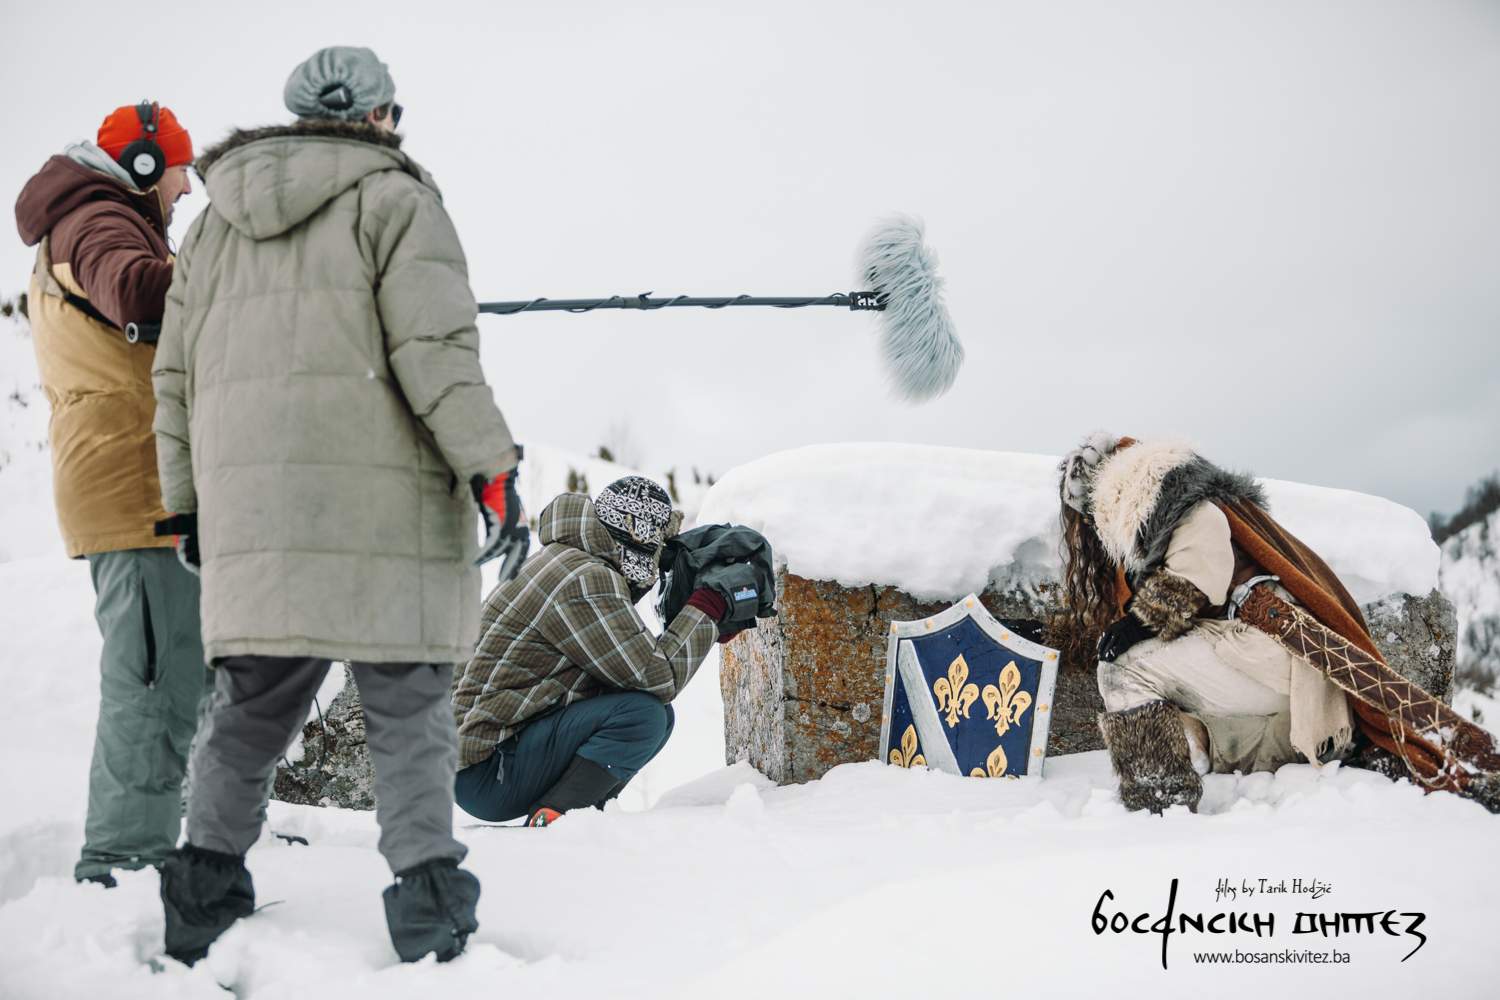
(568,693)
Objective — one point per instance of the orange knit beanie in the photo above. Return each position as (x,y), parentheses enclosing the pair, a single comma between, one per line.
(123,126)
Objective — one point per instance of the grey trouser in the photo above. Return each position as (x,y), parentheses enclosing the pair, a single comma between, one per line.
(261,702)
(151,682)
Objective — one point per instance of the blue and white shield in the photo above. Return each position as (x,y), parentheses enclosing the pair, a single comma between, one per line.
(965,695)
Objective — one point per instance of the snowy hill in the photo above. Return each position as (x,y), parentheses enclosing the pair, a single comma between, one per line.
(25,465)
(1471,579)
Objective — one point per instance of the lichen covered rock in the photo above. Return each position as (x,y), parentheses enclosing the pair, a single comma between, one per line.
(334,767)
(1418,636)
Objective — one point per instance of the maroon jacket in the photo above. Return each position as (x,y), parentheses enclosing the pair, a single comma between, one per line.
(113,239)
(105,244)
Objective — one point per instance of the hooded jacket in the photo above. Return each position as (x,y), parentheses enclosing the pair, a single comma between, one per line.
(321,405)
(101,241)
(564,629)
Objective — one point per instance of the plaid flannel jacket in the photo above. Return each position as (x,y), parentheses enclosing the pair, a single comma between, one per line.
(566,629)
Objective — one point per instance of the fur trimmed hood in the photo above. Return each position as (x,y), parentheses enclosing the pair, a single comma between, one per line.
(323,127)
(266,181)
(1142,492)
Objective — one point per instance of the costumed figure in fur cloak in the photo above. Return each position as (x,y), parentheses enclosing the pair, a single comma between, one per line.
(1225,644)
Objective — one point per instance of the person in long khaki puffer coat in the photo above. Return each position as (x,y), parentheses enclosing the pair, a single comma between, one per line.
(323,431)
(103,262)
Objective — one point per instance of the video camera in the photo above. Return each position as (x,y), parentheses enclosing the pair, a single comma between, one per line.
(734,562)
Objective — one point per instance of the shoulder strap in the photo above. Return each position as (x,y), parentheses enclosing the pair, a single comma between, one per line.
(51,286)
(1303,573)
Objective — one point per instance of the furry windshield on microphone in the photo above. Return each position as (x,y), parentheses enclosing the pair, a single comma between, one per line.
(920,346)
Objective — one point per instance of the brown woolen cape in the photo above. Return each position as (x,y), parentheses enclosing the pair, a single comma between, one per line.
(1403,725)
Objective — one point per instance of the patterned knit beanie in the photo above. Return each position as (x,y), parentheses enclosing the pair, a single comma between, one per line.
(637,513)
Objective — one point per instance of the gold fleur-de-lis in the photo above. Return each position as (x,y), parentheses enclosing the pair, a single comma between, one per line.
(907,756)
(1006,704)
(994,765)
(953,694)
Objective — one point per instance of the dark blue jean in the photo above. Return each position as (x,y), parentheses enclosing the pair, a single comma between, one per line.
(620,731)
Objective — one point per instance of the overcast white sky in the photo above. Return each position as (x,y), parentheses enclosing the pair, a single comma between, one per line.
(1269,227)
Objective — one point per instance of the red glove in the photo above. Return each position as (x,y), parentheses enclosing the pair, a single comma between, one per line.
(499,495)
(500,506)
(712,603)
(709,602)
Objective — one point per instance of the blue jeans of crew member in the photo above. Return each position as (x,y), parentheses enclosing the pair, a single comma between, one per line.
(620,731)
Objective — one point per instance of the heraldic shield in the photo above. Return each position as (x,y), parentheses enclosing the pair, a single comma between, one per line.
(964,694)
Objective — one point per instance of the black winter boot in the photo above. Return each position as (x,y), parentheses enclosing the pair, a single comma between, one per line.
(583,784)
(431,909)
(1149,752)
(202,893)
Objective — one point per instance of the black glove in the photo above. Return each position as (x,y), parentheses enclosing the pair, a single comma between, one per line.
(184,529)
(1027,628)
(1121,636)
(505,530)
(738,586)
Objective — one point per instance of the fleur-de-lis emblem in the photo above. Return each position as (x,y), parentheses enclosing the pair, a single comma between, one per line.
(907,756)
(994,765)
(954,695)
(1006,703)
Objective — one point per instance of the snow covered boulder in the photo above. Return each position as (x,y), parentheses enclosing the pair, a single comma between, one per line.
(868,534)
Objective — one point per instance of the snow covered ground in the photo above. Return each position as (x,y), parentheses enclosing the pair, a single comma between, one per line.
(872,882)
(704,881)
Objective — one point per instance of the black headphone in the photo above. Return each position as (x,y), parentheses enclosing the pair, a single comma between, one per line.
(143,159)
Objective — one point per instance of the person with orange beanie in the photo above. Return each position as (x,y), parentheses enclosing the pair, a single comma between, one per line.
(98,214)
(126,128)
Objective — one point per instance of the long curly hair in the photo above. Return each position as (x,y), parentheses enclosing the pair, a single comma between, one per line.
(1090,600)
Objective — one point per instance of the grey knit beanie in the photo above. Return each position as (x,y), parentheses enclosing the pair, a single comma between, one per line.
(341,81)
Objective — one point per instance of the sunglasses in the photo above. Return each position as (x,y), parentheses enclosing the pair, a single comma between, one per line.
(394,110)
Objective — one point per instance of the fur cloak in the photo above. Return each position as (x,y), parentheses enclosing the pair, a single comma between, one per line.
(1143,491)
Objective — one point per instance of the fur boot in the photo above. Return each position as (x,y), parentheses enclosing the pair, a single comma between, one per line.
(1149,751)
